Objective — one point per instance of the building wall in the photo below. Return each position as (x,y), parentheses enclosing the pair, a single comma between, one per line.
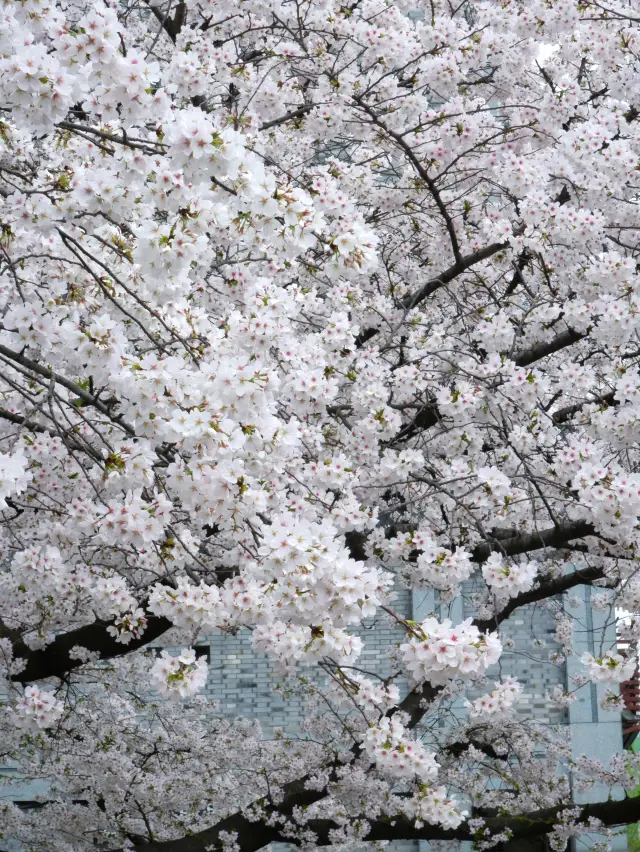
(530,664)
(245,683)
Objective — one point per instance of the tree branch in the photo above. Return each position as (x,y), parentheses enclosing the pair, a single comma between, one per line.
(422,172)
(452,272)
(428,415)
(417,700)
(32,426)
(289,116)
(564,414)
(541,350)
(460,266)
(521,826)
(252,836)
(425,418)
(171,26)
(80,392)
(550,589)
(54,659)
(553,537)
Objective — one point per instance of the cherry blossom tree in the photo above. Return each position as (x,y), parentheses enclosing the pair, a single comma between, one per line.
(299,299)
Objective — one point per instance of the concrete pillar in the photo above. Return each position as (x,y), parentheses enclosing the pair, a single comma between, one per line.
(594,731)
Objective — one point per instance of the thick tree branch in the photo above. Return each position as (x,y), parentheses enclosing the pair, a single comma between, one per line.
(425,418)
(252,836)
(410,301)
(521,826)
(545,590)
(564,414)
(452,272)
(553,537)
(508,545)
(54,660)
(19,420)
(171,26)
(458,749)
(429,415)
(541,350)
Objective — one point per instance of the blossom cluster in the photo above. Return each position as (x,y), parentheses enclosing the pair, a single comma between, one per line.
(180,676)
(289,644)
(394,752)
(439,651)
(439,568)
(35,709)
(14,475)
(610,668)
(374,697)
(496,703)
(300,593)
(508,579)
(432,806)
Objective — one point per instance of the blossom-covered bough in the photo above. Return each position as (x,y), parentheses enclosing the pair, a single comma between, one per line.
(298,297)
